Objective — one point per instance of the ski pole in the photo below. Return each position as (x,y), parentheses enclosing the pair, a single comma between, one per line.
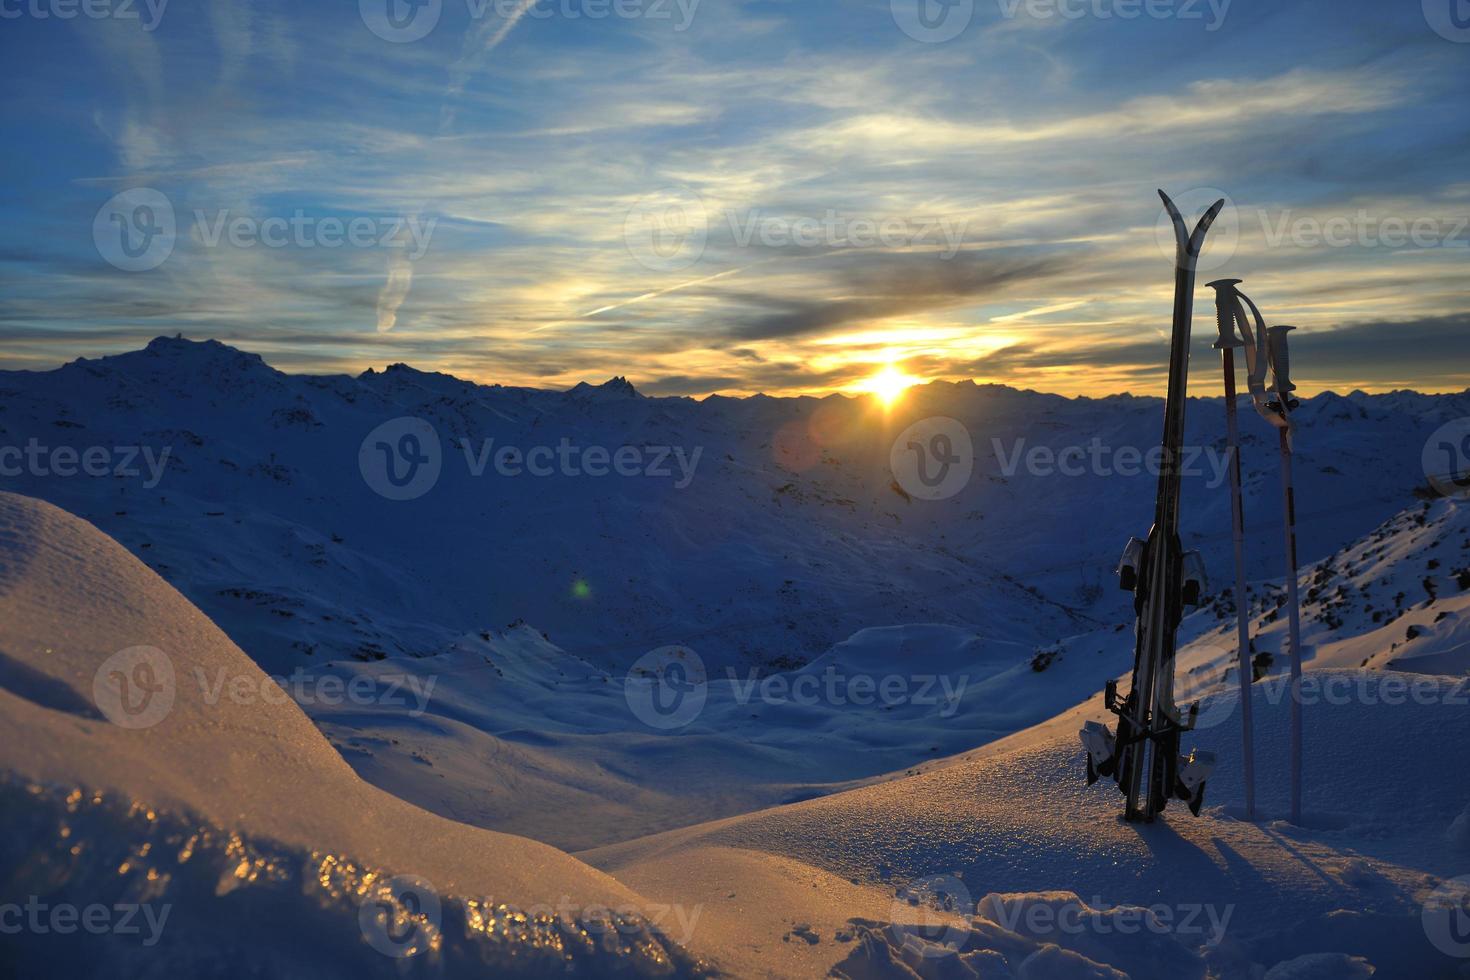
(1227,308)
(1281,368)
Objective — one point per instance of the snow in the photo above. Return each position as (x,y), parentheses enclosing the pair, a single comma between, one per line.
(1322,966)
(1015,816)
(227,812)
(796,824)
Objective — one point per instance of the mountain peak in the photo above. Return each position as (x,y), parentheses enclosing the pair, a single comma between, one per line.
(179,357)
(615,387)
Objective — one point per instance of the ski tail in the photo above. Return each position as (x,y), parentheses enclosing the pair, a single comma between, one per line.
(1101,748)
(1192,774)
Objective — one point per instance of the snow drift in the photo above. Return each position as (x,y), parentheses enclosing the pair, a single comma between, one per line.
(270,854)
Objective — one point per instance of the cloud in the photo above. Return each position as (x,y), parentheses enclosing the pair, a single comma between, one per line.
(395,289)
(483,37)
(882,285)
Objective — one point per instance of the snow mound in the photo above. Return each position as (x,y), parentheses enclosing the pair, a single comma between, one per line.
(126,779)
(1017,817)
(1135,941)
(1050,935)
(1459,832)
(1322,966)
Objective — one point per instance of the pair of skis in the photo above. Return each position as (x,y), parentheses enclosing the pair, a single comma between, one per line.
(1144,756)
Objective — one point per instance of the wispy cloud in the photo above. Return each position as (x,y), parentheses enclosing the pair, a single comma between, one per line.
(395,289)
(1044,146)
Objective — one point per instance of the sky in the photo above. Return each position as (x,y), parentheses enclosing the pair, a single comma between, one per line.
(728,196)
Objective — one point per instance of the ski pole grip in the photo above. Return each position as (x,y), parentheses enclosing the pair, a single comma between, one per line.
(1226,305)
(1280,360)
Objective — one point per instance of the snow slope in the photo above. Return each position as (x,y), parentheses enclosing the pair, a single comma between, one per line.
(234,813)
(520,736)
(1010,828)
(958,854)
(1398,599)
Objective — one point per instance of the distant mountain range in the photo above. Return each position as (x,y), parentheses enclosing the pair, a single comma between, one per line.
(329,517)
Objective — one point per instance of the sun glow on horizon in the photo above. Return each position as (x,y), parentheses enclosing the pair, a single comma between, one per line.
(888,384)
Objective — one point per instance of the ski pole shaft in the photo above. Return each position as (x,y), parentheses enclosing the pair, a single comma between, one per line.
(1228,311)
(1281,375)
(1242,616)
(1294,628)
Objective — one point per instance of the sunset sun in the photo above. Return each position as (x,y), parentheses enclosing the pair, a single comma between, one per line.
(888,384)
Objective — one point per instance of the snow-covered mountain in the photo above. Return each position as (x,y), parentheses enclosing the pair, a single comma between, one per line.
(487,621)
(756,530)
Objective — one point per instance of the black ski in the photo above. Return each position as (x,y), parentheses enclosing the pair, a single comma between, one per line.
(1144,754)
